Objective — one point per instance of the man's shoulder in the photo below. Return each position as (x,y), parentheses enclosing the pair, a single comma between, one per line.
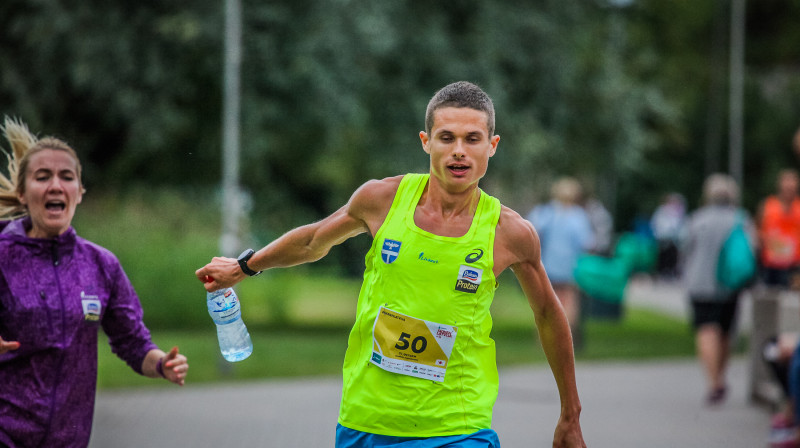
(387,182)
(516,240)
(512,225)
(378,189)
(372,200)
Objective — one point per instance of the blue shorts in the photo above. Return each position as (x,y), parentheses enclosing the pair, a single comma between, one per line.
(350,438)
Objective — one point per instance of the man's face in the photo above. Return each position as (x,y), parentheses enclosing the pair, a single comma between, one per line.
(460,146)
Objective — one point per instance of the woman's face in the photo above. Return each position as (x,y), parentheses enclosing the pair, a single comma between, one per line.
(52,192)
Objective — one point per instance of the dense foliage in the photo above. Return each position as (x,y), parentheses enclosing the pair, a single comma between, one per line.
(631,99)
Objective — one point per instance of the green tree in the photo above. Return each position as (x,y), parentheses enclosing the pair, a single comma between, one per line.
(625,98)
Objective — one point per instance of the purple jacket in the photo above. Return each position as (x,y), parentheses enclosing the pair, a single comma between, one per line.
(54,296)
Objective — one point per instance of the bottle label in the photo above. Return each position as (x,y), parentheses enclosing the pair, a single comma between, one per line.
(224,307)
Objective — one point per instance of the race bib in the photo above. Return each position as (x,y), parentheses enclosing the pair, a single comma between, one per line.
(92,307)
(410,346)
(780,249)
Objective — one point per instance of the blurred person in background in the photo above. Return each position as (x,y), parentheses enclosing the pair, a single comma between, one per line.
(565,233)
(56,291)
(667,225)
(602,224)
(782,352)
(796,143)
(779,232)
(439,244)
(714,307)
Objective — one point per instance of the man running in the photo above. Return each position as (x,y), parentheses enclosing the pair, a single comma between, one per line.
(420,367)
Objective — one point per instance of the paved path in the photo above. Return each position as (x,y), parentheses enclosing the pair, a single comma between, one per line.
(653,404)
(669,298)
(626,405)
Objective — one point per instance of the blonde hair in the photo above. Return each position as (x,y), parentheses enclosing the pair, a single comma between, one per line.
(23,146)
(720,189)
(566,190)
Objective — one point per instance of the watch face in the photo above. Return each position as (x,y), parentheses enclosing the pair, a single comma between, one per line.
(243,262)
(246,255)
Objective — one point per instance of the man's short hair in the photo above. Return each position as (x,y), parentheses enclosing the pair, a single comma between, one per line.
(461,94)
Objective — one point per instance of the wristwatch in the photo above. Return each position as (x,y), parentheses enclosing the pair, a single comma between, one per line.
(243,258)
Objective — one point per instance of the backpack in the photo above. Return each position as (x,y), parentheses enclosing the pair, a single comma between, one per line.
(736,264)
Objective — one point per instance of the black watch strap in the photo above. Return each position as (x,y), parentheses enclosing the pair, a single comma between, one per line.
(243,258)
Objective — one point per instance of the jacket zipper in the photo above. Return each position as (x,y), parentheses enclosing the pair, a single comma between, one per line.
(53,395)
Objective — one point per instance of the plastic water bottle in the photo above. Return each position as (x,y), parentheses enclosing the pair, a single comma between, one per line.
(234,339)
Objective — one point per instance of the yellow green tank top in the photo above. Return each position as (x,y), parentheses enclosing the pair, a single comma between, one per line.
(419,360)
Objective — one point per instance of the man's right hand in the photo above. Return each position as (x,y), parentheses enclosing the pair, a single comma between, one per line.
(221,272)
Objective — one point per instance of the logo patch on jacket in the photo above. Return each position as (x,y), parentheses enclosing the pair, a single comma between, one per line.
(91,307)
(390,251)
(469,279)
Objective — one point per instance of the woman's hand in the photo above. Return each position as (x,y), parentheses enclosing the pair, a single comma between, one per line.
(171,366)
(174,367)
(6,346)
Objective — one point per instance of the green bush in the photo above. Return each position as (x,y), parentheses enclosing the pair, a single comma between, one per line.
(319,350)
(299,317)
(161,237)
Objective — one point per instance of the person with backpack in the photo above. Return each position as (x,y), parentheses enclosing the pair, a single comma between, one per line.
(714,298)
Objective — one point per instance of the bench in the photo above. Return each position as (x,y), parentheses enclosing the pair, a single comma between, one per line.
(775,311)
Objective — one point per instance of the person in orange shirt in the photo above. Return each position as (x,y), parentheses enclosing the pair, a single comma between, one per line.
(779,232)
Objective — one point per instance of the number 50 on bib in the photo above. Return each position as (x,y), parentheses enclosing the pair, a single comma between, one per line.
(409,346)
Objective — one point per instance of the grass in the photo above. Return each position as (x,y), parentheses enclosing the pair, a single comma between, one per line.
(299,318)
(285,353)
(319,350)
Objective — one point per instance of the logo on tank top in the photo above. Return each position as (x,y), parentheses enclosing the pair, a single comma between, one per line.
(474,256)
(424,257)
(469,279)
(390,251)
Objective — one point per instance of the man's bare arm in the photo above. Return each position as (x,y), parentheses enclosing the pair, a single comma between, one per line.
(364,212)
(517,246)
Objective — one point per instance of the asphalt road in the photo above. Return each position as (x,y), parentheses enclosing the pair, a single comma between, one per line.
(653,404)
(625,405)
